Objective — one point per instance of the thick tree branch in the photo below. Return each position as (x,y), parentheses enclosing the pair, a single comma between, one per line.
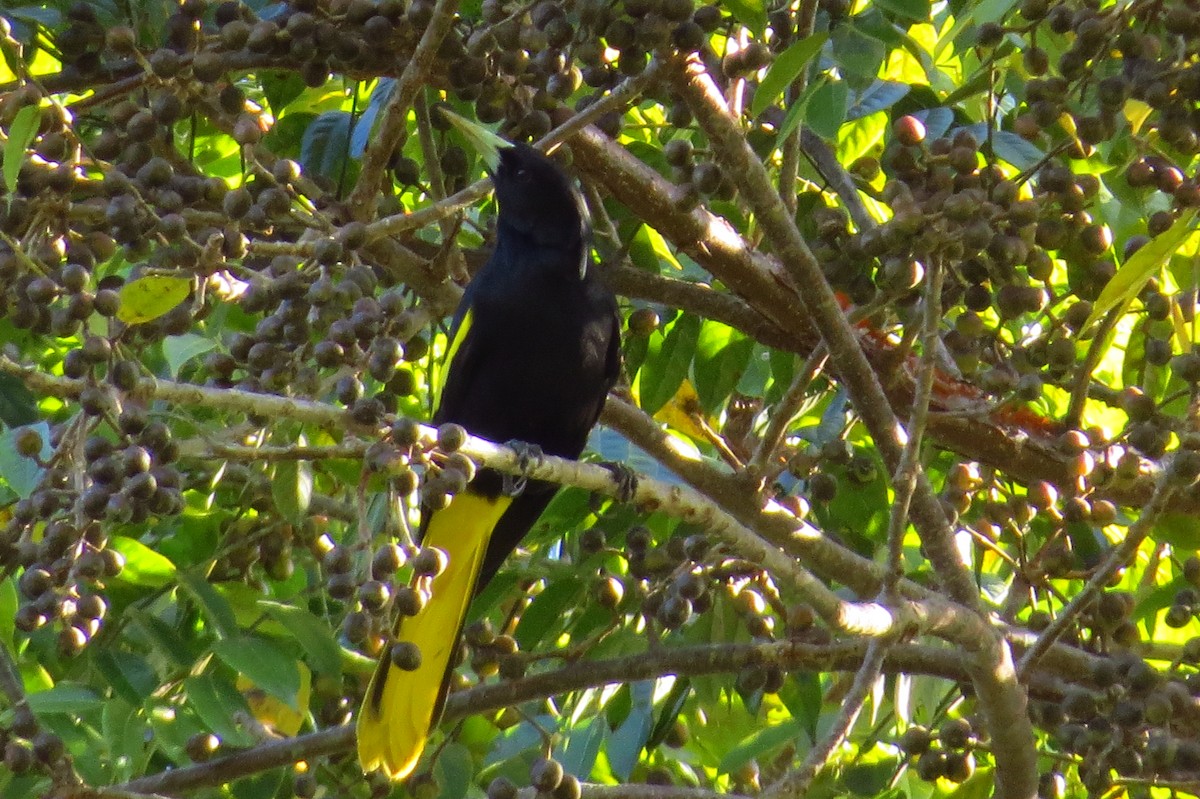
(394,124)
(993,674)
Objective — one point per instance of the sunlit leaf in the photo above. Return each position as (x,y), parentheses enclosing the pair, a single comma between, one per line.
(143,566)
(20,133)
(149,297)
(785,69)
(292,489)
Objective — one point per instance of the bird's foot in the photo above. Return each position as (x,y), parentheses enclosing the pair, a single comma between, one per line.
(625,478)
(528,456)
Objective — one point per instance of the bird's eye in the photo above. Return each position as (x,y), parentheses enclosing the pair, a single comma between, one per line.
(522,173)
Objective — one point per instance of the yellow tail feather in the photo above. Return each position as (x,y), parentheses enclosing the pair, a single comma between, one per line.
(401,707)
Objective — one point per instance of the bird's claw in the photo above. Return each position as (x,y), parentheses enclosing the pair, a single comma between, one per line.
(528,456)
(625,478)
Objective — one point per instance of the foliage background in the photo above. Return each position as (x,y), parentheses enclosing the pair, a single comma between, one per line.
(231,234)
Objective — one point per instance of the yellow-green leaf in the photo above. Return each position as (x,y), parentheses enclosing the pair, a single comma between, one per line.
(147,298)
(20,134)
(1134,273)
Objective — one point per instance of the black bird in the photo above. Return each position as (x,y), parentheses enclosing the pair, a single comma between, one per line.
(535,348)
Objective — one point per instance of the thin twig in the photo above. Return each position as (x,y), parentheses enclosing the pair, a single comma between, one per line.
(785,411)
(797,782)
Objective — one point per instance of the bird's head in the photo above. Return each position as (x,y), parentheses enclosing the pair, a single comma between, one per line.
(537,199)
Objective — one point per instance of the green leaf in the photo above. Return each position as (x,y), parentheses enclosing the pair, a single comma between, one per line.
(785,69)
(148,298)
(759,744)
(911,10)
(672,706)
(801,695)
(667,361)
(870,778)
(880,95)
(858,53)
(280,88)
(579,750)
(454,769)
(20,134)
(326,144)
(178,350)
(649,250)
(18,406)
(65,697)
(545,611)
(20,473)
(626,743)
(292,489)
(130,675)
(215,608)
(218,705)
(264,664)
(1011,148)
(143,566)
(1177,529)
(1134,273)
(722,355)
(751,13)
(312,633)
(827,109)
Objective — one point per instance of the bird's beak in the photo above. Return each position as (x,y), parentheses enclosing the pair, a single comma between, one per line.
(486,143)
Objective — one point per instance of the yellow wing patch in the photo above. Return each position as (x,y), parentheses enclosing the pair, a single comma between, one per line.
(460,335)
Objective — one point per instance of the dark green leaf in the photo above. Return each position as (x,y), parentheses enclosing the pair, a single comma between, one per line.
(264,663)
(910,10)
(18,406)
(801,694)
(670,709)
(827,109)
(326,144)
(760,744)
(545,612)
(582,745)
(71,698)
(880,95)
(856,52)
(313,634)
(785,69)
(216,609)
(454,769)
(870,778)
(668,359)
(280,88)
(1011,148)
(130,675)
(164,640)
